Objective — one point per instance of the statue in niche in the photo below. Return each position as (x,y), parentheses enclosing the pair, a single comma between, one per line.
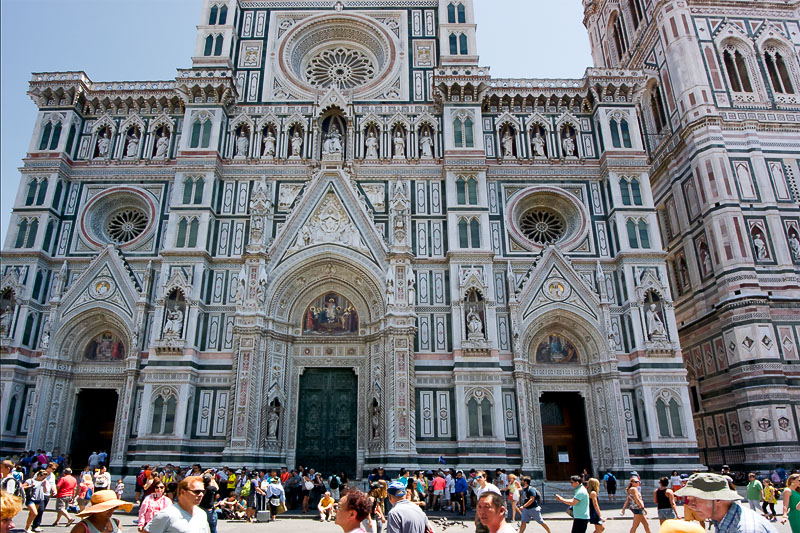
(297,143)
(132,151)
(60,281)
(474,325)
(241,285)
(412,290)
(333,141)
(655,325)
(705,258)
(45,339)
(684,272)
(268,144)
(794,246)
(174,323)
(568,144)
(761,246)
(273,419)
(508,144)
(261,292)
(390,292)
(242,144)
(399,145)
(538,144)
(162,146)
(105,347)
(426,145)
(375,419)
(372,145)
(103,144)
(6,312)
(330,314)
(556,349)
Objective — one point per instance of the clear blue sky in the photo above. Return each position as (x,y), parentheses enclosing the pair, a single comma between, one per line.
(124,40)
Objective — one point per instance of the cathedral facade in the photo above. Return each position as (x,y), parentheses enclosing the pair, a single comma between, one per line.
(336,240)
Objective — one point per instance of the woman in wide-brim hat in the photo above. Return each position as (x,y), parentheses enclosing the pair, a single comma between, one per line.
(97,516)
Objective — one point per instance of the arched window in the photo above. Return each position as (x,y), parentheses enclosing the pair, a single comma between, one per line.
(466,191)
(636,192)
(625,191)
(615,140)
(778,72)
(657,108)
(42,192)
(644,234)
(462,14)
(735,65)
(453,44)
(28,331)
(472,191)
(212,17)
(633,241)
(223,15)
(201,134)
(48,234)
(218,45)
(637,13)
(46,131)
(451,14)
(194,227)
(22,231)
(462,40)
(458,133)
(71,139)
(163,421)
(209,45)
(619,37)
(57,195)
(668,414)
(193,190)
(663,419)
(180,241)
(32,230)
(56,136)
(169,416)
(675,418)
(475,233)
(12,411)
(626,134)
(33,185)
(461,191)
(463,234)
(205,142)
(480,417)
(468,133)
(158,415)
(37,285)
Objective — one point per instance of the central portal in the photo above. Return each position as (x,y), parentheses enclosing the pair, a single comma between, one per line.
(566,441)
(328,420)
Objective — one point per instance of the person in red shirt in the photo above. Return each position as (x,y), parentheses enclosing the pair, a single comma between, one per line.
(66,489)
(438,485)
(284,475)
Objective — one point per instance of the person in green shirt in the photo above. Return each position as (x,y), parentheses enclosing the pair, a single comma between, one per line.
(580,505)
(754,489)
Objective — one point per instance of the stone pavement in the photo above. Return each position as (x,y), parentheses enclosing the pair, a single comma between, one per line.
(554,515)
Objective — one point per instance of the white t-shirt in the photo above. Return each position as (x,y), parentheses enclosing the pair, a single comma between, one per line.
(174,519)
(501,482)
(674,480)
(486,488)
(506,528)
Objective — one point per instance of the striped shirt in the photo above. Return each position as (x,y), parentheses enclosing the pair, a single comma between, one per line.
(739,519)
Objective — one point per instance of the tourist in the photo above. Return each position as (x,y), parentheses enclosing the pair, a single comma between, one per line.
(319,488)
(34,490)
(512,496)
(66,491)
(333,485)
(633,499)
(152,504)
(141,479)
(675,483)
(325,507)
(377,516)
(579,504)
(501,481)
(292,488)
(437,494)
(492,513)
(185,516)
(754,491)
(97,517)
(102,479)
(9,483)
(231,508)
(664,498)
(482,486)
(449,488)
(610,482)
(119,488)
(305,490)
(460,495)
(770,497)
(93,461)
(405,517)
(276,497)
(530,503)
(209,499)
(248,492)
(85,490)
(596,517)
(353,510)
(709,496)
(10,506)
(791,501)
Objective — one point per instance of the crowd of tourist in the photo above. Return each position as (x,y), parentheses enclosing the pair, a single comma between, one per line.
(173,498)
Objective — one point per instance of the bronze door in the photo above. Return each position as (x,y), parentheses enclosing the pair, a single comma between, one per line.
(564,435)
(327,420)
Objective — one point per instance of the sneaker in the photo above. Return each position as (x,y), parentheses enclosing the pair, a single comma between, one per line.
(37,530)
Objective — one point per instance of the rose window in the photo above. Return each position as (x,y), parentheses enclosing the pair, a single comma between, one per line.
(340,68)
(542,226)
(125,225)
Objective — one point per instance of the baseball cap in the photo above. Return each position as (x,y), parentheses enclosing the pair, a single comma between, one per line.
(396,488)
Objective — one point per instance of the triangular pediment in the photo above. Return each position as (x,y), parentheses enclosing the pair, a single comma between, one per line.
(555,283)
(330,213)
(107,282)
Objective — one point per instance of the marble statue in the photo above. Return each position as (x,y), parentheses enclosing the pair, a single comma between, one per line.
(684,274)
(474,325)
(60,281)
(44,342)
(706,259)
(508,145)
(268,149)
(538,145)
(333,141)
(6,314)
(297,144)
(272,422)
(372,146)
(132,150)
(103,144)
(412,290)
(242,144)
(162,146)
(655,326)
(600,278)
(261,292)
(426,145)
(794,246)
(399,145)
(569,146)
(241,285)
(174,323)
(761,246)
(376,421)
(390,292)
(511,279)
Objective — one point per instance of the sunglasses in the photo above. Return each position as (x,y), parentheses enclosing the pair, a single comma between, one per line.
(198,492)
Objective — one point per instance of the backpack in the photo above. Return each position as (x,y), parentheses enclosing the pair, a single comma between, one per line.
(141,479)
(611,478)
(246,489)
(334,482)
(19,492)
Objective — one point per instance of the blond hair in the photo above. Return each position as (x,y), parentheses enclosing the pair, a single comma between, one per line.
(593,485)
(10,505)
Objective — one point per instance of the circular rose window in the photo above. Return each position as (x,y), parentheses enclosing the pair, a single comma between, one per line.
(341,68)
(126,224)
(543,215)
(121,215)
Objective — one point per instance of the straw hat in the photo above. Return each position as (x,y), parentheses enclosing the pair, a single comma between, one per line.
(102,501)
(708,486)
(681,526)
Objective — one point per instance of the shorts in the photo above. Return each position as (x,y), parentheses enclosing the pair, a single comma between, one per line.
(666,514)
(612,489)
(637,511)
(438,492)
(532,513)
(63,503)
(595,520)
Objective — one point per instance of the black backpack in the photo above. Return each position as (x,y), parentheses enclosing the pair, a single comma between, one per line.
(335,482)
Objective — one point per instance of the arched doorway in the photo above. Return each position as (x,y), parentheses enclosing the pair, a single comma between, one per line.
(565,439)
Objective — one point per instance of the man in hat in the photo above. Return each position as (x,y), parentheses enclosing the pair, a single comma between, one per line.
(709,497)
(405,516)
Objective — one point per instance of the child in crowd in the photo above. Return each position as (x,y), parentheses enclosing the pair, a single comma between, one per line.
(120,488)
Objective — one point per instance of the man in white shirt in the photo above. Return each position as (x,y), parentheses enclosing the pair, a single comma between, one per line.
(186,516)
(94,460)
(492,512)
(483,487)
(102,479)
(353,509)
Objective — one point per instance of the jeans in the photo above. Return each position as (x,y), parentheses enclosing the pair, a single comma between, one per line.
(212,520)
(41,505)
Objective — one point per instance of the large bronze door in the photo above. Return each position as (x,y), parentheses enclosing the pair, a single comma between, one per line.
(327,420)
